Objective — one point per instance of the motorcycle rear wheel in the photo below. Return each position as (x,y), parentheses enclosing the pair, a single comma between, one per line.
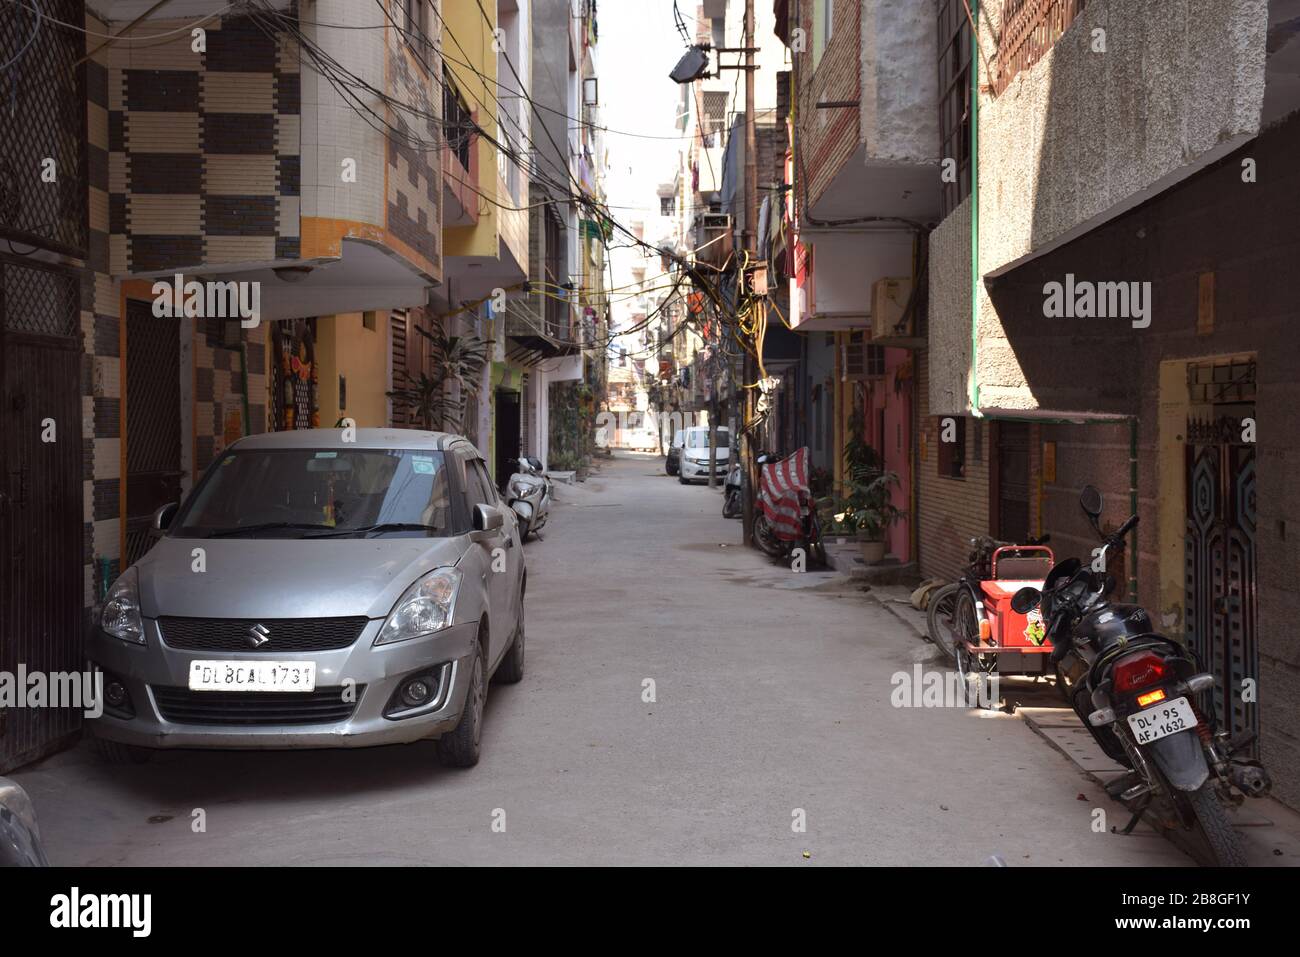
(1219,844)
(765,538)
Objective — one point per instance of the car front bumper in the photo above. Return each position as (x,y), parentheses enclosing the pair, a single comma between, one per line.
(701,470)
(375,674)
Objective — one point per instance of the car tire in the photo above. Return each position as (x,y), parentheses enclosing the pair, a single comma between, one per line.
(115,752)
(511,669)
(460,747)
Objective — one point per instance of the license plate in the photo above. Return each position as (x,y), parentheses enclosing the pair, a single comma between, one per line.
(1166,718)
(252,676)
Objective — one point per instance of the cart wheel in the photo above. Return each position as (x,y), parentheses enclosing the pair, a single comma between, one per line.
(974,670)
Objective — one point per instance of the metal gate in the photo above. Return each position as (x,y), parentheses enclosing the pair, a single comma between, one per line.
(41,560)
(1220,599)
(294,375)
(153,422)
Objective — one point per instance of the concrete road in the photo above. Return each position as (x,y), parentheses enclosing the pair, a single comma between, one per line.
(772,705)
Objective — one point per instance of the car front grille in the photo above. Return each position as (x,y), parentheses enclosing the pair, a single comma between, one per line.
(283,634)
(322,706)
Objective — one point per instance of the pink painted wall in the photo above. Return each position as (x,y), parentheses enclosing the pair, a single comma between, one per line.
(889,430)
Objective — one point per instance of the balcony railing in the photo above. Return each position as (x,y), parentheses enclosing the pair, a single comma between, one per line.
(1029,29)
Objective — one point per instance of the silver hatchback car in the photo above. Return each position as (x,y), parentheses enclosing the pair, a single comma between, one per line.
(318,589)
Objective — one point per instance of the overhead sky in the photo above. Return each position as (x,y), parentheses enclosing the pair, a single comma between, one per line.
(639,44)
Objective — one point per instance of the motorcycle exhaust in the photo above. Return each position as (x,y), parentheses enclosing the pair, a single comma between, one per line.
(1250,779)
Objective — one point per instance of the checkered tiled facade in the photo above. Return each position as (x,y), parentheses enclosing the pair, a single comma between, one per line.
(192,159)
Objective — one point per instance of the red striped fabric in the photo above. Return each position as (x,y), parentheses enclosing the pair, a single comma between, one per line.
(783,494)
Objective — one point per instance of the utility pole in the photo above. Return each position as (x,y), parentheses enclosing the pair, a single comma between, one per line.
(750,242)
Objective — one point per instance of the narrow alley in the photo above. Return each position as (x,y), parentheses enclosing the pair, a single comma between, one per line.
(770,696)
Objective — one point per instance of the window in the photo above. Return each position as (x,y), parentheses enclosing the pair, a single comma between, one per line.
(954,103)
(665,205)
(415,20)
(485,481)
(292,493)
(457,122)
(823,27)
(952,455)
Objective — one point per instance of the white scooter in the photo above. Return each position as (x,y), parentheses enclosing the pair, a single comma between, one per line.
(529,494)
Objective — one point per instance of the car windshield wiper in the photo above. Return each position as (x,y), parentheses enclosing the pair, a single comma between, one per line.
(384,527)
(263,527)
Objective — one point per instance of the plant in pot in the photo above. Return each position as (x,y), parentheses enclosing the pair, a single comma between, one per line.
(868,507)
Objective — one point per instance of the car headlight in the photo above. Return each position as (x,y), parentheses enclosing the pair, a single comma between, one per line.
(425,608)
(121,615)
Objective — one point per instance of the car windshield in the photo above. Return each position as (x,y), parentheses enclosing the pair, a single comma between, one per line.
(301,493)
(700,439)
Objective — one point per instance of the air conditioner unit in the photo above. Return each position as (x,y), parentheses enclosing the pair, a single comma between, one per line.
(888,306)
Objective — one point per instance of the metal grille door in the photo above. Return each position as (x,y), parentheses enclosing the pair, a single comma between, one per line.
(153,422)
(41,573)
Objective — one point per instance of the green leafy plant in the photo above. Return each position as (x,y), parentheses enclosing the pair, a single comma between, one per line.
(867,506)
(455,360)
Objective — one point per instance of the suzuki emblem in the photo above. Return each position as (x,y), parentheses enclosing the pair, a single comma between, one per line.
(258,635)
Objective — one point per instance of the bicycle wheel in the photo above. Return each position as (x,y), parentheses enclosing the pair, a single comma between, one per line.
(941,621)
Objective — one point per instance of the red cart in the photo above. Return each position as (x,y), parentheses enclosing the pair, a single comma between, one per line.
(984,634)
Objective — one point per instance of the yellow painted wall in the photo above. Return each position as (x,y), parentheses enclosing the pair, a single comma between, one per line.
(345,347)
(473,45)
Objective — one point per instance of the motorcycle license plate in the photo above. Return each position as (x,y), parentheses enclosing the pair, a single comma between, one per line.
(1166,718)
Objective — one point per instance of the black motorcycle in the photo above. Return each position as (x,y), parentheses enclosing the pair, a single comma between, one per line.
(1143,697)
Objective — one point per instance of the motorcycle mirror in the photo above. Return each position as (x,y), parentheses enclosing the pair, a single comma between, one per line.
(1091,501)
(1026,599)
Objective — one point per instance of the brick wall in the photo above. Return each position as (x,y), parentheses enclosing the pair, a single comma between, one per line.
(826,138)
(950,511)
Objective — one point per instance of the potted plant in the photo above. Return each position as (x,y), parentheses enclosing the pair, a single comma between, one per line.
(869,509)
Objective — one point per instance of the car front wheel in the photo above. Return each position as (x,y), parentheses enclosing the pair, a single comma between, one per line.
(511,669)
(460,748)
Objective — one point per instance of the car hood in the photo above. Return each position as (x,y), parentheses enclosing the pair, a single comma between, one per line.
(286,578)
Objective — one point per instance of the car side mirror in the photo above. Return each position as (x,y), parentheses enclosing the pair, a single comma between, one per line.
(162,519)
(1026,600)
(487,520)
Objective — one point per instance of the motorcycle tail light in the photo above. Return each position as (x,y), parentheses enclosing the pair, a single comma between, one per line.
(1138,671)
(1151,697)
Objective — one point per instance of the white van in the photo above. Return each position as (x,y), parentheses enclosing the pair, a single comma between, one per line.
(694,465)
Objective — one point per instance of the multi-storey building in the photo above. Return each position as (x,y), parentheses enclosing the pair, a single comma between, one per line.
(1110,305)
(205,235)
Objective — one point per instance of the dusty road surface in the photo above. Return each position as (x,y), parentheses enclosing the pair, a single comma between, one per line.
(771,706)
